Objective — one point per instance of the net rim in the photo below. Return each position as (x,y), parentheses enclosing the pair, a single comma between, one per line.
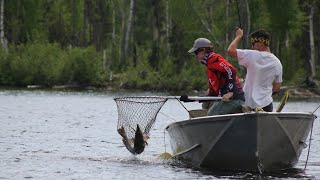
(157,99)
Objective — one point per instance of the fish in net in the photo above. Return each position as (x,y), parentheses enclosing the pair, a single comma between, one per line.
(136,117)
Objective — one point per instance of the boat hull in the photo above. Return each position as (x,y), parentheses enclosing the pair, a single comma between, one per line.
(246,141)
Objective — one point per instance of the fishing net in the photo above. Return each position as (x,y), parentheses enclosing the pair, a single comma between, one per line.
(136,117)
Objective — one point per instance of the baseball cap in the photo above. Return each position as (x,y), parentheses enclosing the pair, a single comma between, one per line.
(199,43)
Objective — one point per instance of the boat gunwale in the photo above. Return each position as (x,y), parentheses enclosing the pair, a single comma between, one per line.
(229,116)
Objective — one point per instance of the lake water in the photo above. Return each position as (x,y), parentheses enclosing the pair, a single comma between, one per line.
(72,135)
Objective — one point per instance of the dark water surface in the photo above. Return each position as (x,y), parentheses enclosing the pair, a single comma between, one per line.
(72,135)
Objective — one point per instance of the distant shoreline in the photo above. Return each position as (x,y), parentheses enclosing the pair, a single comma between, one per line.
(295,92)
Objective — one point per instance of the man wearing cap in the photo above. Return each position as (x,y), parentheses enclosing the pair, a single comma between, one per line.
(264,69)
(222,78)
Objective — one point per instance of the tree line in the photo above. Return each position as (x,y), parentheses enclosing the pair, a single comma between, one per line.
(143,44)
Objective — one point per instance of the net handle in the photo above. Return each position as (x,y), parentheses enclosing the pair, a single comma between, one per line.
(185,98)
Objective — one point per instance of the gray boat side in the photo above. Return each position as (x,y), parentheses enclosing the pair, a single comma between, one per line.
(245,141)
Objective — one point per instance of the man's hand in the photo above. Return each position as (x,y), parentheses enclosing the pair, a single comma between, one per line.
(239,33)
(276,87)
(227,96)
(232,49)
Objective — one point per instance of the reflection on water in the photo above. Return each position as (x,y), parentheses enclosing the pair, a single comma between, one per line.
(72,135)
(291,173)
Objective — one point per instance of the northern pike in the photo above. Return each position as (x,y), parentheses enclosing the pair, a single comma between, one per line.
(137,144)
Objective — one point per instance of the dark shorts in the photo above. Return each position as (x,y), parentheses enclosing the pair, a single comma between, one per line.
(268,108)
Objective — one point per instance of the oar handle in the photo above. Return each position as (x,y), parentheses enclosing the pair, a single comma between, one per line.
(283,101)
(185,98)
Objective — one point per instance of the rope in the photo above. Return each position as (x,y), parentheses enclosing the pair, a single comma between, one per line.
(310,138)
(164,140)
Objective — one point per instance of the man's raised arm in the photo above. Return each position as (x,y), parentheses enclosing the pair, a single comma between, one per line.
(232,49)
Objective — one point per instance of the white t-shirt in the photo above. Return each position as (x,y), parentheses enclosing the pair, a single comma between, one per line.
(263,68)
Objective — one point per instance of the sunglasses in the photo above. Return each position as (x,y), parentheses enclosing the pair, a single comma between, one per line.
(197,51)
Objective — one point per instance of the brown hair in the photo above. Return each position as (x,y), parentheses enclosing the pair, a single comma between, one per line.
(260,35)
(208,49)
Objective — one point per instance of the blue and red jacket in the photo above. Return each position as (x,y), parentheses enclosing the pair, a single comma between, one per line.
(222,77)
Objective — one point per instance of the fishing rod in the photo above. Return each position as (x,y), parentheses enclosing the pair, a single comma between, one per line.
(305,166)
(153,73)
(239,17)
(150,70)
(121,129)
(157,77)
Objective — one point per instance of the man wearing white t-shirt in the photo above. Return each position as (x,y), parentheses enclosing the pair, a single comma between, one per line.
(264,69)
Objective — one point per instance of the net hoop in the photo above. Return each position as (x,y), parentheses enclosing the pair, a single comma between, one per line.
(141,110)
(142,99)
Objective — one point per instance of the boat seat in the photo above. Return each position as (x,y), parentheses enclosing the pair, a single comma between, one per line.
(198,113)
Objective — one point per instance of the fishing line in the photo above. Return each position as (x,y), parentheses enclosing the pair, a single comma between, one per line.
(204,24)
(240,22)
(310,138)
(155,75)
(316,109)
(188,6)
(164,140)
(179,32)
(168,116)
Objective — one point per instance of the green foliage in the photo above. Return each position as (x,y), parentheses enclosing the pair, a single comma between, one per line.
(33,64)
(260,14)
(4,67)
(83,66)
(61,42)
(192,77)
(297,78)
(47,64)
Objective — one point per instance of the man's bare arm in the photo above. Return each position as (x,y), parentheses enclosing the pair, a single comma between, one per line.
(232,49)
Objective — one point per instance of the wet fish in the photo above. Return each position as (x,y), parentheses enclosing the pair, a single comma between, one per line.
(136,145)
(139,141)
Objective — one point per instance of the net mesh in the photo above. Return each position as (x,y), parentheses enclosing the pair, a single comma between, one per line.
(138,110)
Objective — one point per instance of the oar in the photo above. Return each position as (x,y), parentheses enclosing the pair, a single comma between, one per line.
(186,98)
(283,101)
